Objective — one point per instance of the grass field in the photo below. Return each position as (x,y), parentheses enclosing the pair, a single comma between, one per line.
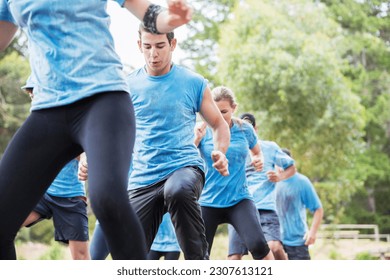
(324,249)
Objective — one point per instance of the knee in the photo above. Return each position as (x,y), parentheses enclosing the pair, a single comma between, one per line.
(179,193)
(259,249)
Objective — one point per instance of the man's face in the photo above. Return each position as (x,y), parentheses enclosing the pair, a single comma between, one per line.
(157,52)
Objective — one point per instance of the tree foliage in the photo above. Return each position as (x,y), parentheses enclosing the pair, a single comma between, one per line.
(14,103)
(282,61)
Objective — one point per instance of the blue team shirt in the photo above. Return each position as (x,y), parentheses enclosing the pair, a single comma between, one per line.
(71,49)
(165,240)
(260,187)
(165,109)
(67,184)
(224,191)
(293,196)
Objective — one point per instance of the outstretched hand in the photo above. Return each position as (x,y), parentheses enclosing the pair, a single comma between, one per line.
(179,13)
(221,163)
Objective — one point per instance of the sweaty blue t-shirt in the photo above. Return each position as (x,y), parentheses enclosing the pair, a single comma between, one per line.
(71,49)
(224,191)
(165,108)
(260,187)
(293,196)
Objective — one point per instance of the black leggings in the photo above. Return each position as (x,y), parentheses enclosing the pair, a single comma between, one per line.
(103,126)
(168,256)
(244,217)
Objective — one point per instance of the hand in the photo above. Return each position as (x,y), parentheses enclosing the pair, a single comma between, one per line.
(221,163)
(179,13)
(309,238)
(273,176)
(83,170)
(200,131)
(257,162)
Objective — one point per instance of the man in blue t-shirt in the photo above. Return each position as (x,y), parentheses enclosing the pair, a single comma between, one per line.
(167,172)
(293,197)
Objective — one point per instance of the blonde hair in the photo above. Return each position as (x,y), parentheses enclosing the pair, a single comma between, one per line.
(224,93)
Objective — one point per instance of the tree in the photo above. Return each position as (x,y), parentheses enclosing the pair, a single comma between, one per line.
(366,27)
(280,59)
(14,103)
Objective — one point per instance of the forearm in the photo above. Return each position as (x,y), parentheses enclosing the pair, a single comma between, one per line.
(317,219)
(287,173)
(221,137)
(7,31)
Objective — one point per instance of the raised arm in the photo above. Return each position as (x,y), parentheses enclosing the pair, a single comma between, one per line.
(160,20)
(7,31)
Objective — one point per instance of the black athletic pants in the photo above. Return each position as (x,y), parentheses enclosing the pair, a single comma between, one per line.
(104,127)
(179,196)
(244,217)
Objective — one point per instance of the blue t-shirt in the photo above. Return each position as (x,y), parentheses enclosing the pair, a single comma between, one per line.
(260,187)
(71,49)
(165,240)
(293,196)
(67,184)
(224,191)
(165,108)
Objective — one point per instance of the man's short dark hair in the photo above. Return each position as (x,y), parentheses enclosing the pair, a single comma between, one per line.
(287,151)
(249,118)
(141,28)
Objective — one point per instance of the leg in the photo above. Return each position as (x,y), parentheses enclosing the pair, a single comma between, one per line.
(154,255)
(181,192)
(30,163)
(297,252)
(271,228)
(249,228)
(105,128)
(79,250)
(211,220)
(172,256)
(148,203)
(98,247)
(70,223)
(237,247)
(32,219)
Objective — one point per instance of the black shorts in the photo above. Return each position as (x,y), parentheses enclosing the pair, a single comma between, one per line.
(69,214)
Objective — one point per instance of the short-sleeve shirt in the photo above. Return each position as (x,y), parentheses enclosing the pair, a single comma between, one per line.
(165,108)
(165,240)
(71,49)
(293,196)
(67,184)
(224,191)
(260,187)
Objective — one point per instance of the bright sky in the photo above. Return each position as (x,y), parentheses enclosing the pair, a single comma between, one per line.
(124,28)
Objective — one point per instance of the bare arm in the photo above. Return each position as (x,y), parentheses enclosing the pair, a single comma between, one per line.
(177,14)
(221,133)
(277,176)
(257,157)
(7,31)
(311,236)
